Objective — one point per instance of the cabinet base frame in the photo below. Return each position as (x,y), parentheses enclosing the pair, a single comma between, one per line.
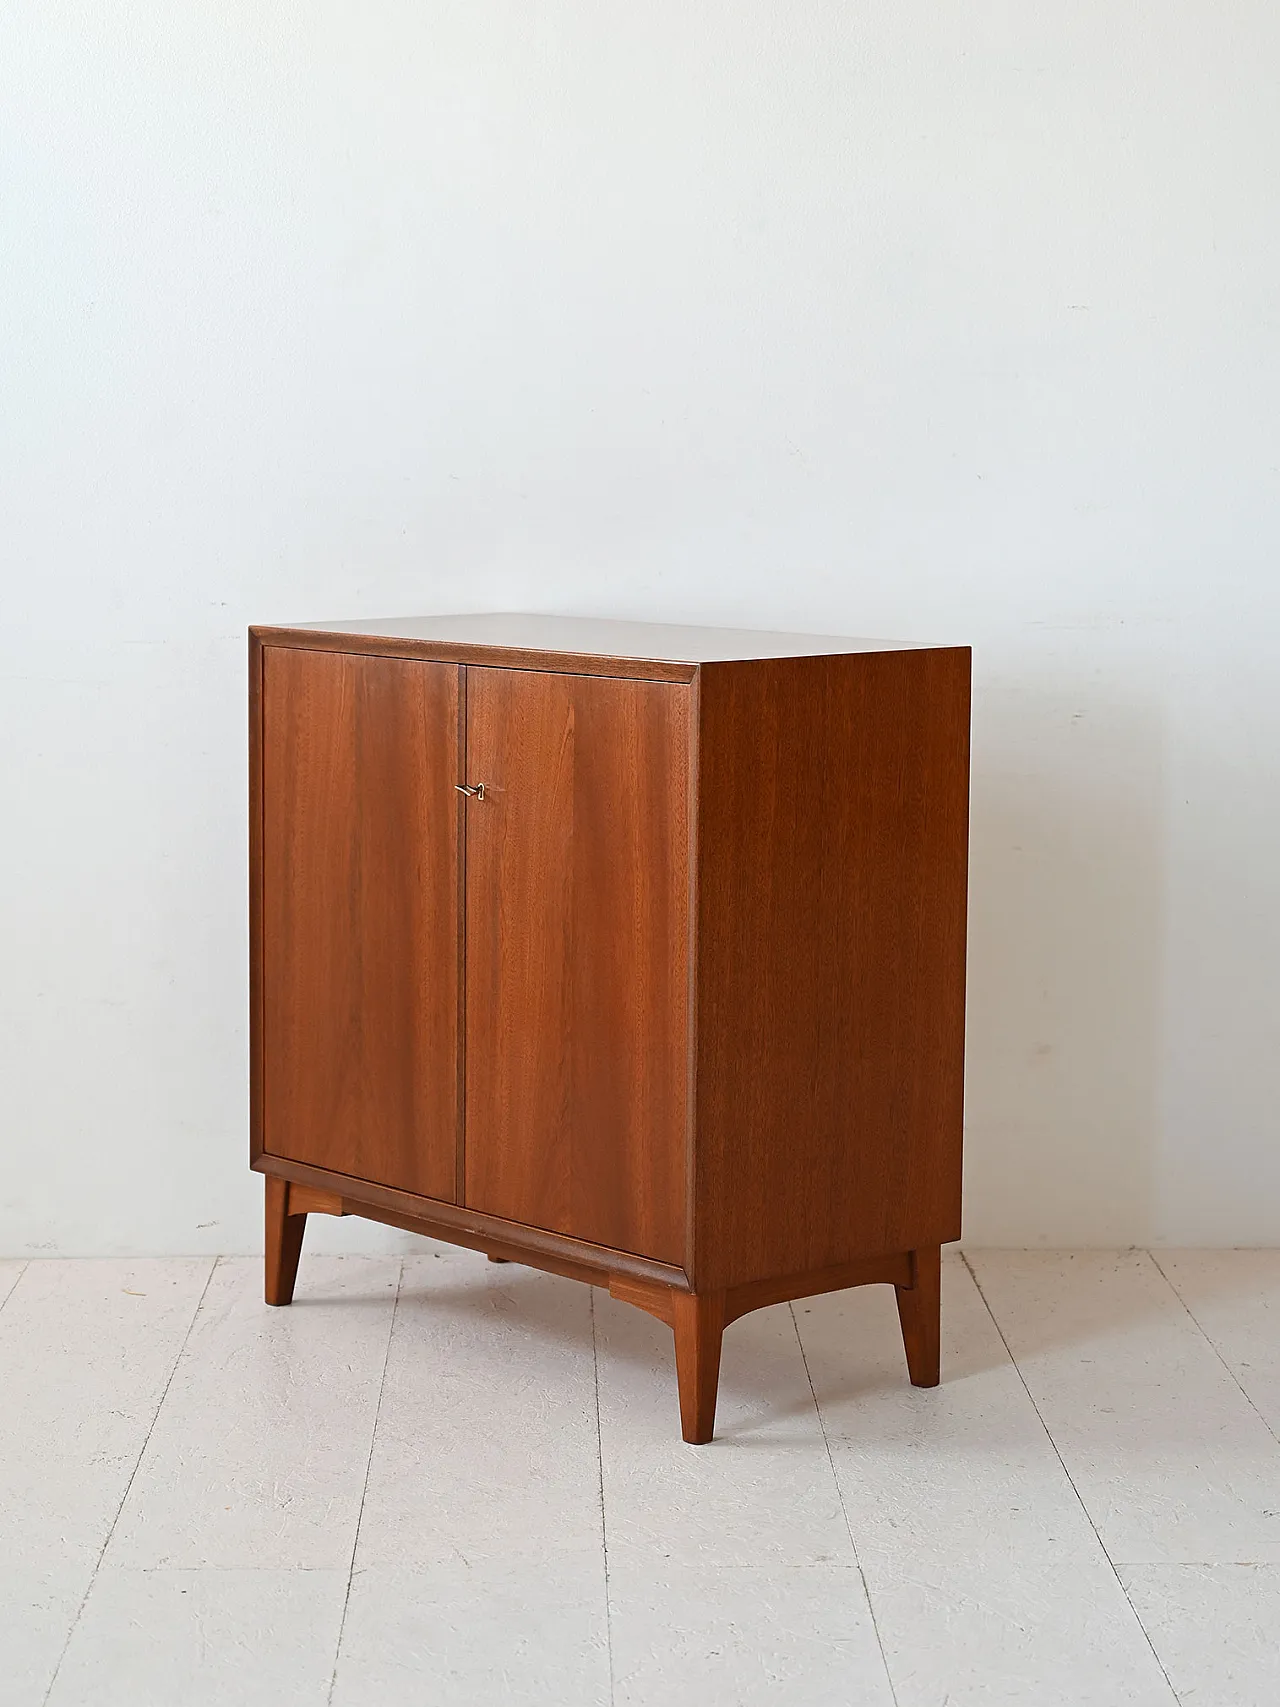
(697,1319)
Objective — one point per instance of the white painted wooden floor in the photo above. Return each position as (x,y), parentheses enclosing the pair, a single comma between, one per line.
(440,1481)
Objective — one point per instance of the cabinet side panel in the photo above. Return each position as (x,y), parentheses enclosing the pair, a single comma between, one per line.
(577,922)
(832,879)
(359,916)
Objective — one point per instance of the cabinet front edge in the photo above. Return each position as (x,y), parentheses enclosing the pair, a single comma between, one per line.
(492,657)
(256,1063)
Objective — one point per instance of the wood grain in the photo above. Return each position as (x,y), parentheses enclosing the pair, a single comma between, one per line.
(693,968)
(698,1321)
(831,882)
(284,1228)
(359,916)
(577,924)
(920,1313)
(307,1200)
(256,803)
(648,1295)
(459,1225)
(498,657)
(655,1296)
(893,1270)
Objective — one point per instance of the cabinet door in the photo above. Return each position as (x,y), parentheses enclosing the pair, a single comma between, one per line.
(360,954)
(577,956)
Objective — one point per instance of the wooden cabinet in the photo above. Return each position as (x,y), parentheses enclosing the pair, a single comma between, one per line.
(634,953)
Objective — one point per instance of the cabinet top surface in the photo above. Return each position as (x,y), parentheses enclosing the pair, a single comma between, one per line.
(604,637)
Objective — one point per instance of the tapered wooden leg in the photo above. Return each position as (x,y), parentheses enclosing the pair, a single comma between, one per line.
(698,1320)
(920,1312)
(284,1243)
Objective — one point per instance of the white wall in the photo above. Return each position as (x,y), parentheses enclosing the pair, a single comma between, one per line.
(951,321)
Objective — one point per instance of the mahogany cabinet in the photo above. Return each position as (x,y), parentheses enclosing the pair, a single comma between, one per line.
(631,952)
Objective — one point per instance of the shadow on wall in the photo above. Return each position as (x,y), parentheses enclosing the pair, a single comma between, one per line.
(1066,930)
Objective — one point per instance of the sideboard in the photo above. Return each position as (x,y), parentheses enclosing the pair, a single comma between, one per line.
(628,951)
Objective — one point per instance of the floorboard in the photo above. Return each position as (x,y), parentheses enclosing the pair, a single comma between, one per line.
(434,1478)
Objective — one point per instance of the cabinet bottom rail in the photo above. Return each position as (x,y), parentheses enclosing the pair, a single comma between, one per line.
(697,1319)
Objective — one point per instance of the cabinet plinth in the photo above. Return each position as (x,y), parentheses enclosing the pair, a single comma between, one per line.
(635,954)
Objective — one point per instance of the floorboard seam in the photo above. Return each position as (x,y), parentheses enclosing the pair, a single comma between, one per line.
(1071,1481)
(133,1474)
(1208,1338)
(844,1511)
(604,1527)
(364,1491)
(17,1281)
